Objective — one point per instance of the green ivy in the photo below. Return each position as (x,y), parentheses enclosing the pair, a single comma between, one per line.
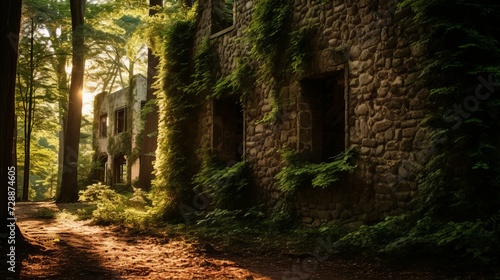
(225,185)
(204,75)
(269,32)
(300,49)
(298,172)
(462,181)
(240,81)
(457,212)
(279,49)
(175,158)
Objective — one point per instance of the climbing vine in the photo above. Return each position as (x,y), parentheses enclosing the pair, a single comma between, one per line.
(278,48)
(175,152)
(460,187)
(297,172)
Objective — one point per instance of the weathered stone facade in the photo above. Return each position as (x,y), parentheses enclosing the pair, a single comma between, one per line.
(364,65)
(117,131)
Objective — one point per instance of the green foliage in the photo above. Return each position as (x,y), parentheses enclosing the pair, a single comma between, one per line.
(402,236)
(175,153)
(371,239)
(45,213)
(139,198)
(457,212)
(240,81)
(300,49)
(282,215)
(204,75)
(268,33)
(278,49)
(96,192)
(113,207)
(298,172)
(462,181)
(225,186)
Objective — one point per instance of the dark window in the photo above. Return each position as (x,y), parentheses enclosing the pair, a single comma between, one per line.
(101,169)
(228,130)
(222,15)
(120,120)
(120,169)
(325,97)
(103,125)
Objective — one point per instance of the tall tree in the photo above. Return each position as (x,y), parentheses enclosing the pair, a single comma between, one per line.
(10,21)
(69,191)
(29,107)
(149,143)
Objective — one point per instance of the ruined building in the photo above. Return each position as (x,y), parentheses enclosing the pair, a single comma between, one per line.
(118,134)
(355,89)
(358,90)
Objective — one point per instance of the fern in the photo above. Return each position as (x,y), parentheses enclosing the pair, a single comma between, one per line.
(297,172)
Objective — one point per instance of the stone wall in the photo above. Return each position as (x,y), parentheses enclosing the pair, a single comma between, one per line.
(374,50)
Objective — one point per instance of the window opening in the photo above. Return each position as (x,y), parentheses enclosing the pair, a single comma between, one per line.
(120,120)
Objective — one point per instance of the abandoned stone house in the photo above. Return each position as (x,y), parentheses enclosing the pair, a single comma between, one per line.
(117,133)
(358,91)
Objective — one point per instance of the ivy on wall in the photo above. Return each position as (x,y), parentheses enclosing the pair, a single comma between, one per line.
(174,155)
(298,172)
(457,213)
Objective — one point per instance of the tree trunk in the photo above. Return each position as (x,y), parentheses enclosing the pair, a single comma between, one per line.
(28,120)
(149,143)
(69,191)
(10,21)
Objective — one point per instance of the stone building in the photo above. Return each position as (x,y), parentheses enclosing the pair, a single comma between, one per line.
(118,134)
(359,90)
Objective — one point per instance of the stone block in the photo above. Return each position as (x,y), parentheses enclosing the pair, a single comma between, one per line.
(410,132)
(382,126)
(365,79)
(402,53)
(392,146)
(369,143)
(259,128)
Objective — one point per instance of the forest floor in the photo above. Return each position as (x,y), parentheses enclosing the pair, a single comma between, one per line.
(75,249)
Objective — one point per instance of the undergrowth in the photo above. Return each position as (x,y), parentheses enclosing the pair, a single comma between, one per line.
(226,187)
(297,172)
(113,207)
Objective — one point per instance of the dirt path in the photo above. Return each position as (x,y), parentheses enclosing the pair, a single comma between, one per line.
(79,250)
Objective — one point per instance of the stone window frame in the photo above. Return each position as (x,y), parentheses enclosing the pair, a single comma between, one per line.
(227,29)
(120,128)
(340,69)
(103,126)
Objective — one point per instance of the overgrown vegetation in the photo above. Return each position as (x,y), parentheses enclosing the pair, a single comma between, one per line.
(226,187)
(457,214)
(278,48)
(115,208)
(174,162)
(297,172)
(240,81)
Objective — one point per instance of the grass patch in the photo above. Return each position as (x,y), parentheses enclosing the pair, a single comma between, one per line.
(45,213)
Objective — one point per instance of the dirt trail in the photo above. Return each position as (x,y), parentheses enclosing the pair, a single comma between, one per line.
(79,250)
